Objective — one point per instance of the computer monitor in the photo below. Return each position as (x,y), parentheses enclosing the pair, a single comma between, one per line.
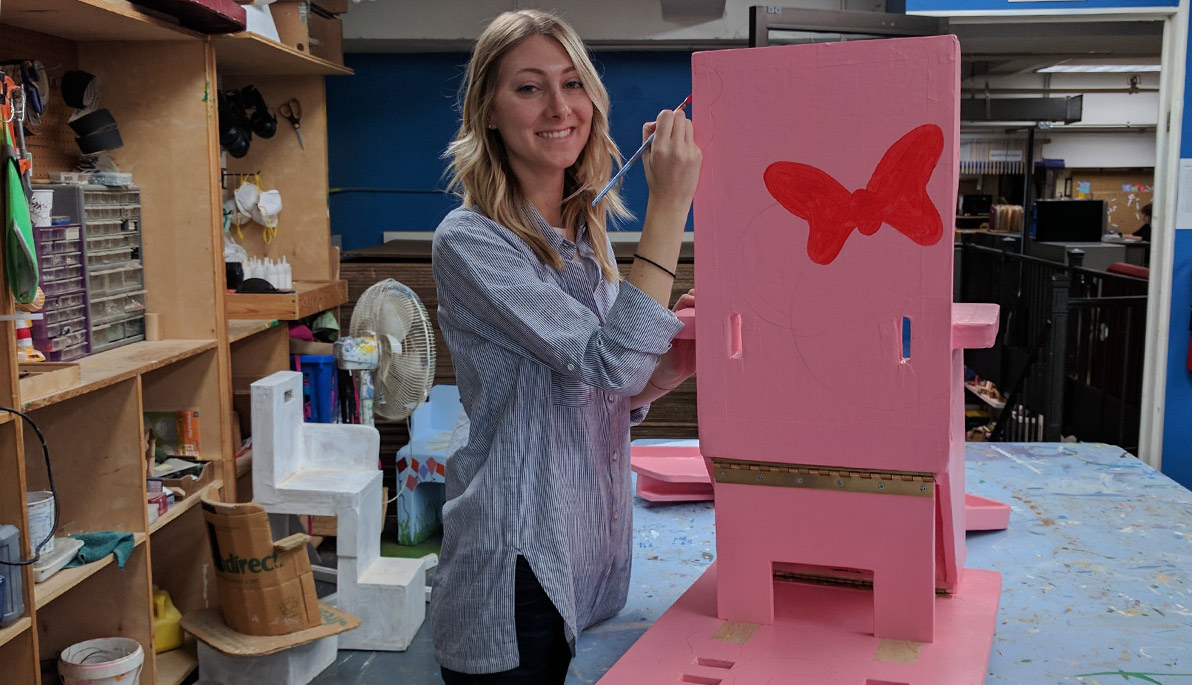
(974,205)
(1069,221)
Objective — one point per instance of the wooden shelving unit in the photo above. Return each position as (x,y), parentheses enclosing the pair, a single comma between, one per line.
(174,666)
(160,83)
(185,505)
(20,626)
(239,329)
(253,55)
(309,297)
(68,578)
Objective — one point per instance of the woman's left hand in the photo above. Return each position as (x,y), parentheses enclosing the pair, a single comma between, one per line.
(678,364)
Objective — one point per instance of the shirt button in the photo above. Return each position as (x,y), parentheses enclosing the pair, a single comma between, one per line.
(612,397)
(571,367)
(615,455)
(616,515)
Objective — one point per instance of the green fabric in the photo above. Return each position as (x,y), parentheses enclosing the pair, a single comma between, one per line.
(20,260)
(96,546)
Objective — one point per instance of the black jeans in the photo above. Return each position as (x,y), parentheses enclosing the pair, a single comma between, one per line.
(541,639)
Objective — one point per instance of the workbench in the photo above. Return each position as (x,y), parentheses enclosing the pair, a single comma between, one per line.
(1096,571)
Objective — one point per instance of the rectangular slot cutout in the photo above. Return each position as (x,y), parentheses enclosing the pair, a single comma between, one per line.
(699,679)
(906,338)
(734,329)
(714,663)
(874,681)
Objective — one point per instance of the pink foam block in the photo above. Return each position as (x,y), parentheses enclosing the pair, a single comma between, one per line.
(974,325)
(981,513)
(687,316)
(670,473)
(819,636)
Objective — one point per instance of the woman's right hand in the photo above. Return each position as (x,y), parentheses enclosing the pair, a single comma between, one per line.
(673,160)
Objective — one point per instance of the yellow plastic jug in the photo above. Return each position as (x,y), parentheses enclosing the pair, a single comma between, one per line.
(167,623)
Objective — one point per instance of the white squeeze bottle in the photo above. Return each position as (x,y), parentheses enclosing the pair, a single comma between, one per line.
(271,274)
(287,275)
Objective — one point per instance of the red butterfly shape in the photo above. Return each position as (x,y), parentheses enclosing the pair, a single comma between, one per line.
(896,195)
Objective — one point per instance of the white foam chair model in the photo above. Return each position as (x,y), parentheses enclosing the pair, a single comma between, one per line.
(332,470)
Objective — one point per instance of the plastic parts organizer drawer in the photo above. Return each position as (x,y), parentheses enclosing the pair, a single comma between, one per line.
(52,261)
(118,280)
(57,316)
(70,232)
(111,227)
(112,307)
(103,243)
(60,287)
(97,258)
(52,247)
(61,273)
(59,302)
(116,331)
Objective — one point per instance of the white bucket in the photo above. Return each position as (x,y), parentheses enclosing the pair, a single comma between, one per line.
(105,661)
(41,207)
(40,504)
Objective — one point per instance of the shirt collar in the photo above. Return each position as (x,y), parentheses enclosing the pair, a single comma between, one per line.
(557,242)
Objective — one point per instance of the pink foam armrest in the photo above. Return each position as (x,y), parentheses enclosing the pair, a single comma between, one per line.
(669,463)
(974,325)
(687,316)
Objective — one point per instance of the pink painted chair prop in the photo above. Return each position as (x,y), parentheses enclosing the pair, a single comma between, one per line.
(830,369)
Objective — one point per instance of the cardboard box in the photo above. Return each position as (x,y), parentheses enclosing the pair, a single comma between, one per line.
(291,18)
(265,587)
(175,433)
(326,38)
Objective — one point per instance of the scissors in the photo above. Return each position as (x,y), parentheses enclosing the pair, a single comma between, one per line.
(292,111)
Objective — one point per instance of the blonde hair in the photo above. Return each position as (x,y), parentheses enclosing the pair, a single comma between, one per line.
(478,165)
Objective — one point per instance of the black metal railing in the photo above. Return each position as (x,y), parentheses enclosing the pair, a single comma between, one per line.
(1070,345)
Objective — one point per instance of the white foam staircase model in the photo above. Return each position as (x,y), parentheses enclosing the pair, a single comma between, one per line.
(332,470)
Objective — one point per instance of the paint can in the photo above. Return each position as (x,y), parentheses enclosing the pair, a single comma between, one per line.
(103,661)
(40,505)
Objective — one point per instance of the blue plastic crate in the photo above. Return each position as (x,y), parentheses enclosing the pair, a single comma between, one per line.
(320,387)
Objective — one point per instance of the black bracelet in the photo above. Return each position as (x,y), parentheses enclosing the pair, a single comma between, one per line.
(651,261)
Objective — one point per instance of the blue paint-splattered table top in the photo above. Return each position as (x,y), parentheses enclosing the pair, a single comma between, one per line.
(1096,567)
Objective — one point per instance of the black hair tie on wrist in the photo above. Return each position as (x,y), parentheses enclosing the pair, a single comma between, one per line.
(651,261)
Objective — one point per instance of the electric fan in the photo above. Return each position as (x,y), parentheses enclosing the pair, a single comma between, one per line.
(405,371)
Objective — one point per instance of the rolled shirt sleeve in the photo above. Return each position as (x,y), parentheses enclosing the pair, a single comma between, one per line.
(497,288)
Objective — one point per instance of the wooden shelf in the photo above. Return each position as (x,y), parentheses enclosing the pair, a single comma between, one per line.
(111,367)
(239,329)
(174,666)
(255,55)
(87,20)
(22,624)
(60,582)
(183,506)
(309,297)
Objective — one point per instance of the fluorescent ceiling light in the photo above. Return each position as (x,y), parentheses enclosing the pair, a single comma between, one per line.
(1099,68)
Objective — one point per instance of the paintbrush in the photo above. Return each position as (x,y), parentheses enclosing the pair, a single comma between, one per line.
(636,156)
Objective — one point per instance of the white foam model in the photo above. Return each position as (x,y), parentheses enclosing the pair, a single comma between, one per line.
(333,470)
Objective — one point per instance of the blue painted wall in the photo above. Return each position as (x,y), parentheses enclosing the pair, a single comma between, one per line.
(1177,418)
(391,121)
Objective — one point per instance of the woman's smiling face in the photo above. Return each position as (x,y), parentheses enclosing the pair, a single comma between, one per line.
(541,109)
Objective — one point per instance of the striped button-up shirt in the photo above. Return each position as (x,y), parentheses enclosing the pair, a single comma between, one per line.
(546,362)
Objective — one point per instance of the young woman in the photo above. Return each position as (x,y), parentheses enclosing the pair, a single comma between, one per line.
(555,356)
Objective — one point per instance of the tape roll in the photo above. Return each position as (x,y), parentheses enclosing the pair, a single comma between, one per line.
(80,90)
(99,141)
(99,120)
